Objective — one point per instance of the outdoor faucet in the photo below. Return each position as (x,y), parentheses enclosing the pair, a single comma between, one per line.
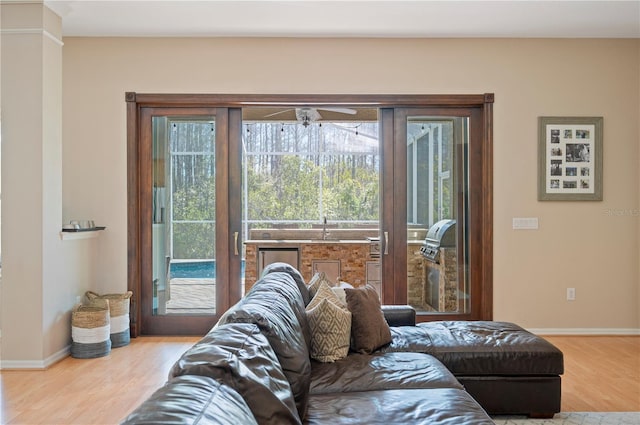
(324,228)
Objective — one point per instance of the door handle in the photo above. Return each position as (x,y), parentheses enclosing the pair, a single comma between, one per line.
(235,243)
(386,243)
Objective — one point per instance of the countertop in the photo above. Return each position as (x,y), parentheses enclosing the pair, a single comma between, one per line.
(305,241)
(318,241)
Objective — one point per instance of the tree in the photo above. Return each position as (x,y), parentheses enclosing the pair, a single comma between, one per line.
(294,173)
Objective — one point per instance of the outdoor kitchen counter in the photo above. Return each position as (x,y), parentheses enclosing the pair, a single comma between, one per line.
(271,242)
(305,241)
(353,255)
(347,258)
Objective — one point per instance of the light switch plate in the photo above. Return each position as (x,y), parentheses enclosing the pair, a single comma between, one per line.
(525,223)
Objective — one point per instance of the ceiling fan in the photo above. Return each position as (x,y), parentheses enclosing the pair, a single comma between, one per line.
(308,115)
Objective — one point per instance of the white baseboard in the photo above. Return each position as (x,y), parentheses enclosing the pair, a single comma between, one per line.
(585,331)
(36,364)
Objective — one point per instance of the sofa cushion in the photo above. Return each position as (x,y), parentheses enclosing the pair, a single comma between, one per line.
(481,348)
(369,329)
(294,273)
(399,315)
(433,406)
(192,400)
(408,338)
(380,371)
(330,329)
(239,356)
(282,283)
(271,312)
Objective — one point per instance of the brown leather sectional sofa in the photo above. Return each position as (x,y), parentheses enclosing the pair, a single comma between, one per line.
(254,367)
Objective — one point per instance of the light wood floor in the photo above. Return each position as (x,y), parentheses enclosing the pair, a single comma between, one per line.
(601,374)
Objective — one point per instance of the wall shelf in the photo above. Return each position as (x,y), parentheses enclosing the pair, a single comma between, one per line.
(89,234)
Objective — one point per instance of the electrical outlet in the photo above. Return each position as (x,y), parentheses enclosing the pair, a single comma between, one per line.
(78,299)
(571,294)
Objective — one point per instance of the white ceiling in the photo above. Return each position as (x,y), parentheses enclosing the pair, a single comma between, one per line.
(353,18)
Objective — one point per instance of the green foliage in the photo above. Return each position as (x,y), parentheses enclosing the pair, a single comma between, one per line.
(290,192)
(194,240)
(354,197)
(196,201)
(304,184)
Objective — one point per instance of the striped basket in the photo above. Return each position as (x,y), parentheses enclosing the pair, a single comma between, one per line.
(90,331)
(119,309)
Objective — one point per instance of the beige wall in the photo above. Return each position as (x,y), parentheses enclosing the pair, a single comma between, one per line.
(34,276)
(592,246)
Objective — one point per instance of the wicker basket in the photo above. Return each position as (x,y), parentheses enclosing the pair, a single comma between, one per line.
(90,330)
(119,310)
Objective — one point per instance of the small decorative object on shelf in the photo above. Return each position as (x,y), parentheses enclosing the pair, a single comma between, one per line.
(81,226)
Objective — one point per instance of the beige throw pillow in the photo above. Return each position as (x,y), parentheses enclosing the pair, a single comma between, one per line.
(339,292)
(330,325)
(315,282)
(323,291)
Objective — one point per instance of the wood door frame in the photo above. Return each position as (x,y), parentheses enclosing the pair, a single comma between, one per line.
(482,102)
(142,320)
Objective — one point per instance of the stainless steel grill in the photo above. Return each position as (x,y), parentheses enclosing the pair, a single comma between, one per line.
(440,235)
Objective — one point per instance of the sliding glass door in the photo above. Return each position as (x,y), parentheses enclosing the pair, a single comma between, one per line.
(390,190)
(188,219)
(437,219)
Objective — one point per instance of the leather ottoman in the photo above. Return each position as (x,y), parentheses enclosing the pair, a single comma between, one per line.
(507,369)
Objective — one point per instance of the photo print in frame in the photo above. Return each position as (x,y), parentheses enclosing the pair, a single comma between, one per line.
(570,158)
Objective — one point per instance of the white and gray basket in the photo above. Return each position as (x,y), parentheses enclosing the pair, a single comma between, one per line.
(119,311)
(90,330)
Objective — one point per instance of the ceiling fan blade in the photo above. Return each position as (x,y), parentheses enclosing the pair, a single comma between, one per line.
(279,112)
(340,110)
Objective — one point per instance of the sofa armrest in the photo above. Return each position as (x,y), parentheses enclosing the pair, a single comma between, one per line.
(399,315)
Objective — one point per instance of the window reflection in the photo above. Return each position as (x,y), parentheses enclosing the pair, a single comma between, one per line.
(436,264)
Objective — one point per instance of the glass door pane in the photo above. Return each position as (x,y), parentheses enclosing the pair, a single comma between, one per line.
(437,210)
(189,257)
(311,193)
(184,216)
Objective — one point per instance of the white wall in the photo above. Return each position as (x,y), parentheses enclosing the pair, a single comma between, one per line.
(579,244)
(41,274)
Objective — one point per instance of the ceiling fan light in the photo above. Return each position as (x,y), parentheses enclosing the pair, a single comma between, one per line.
(307,114)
